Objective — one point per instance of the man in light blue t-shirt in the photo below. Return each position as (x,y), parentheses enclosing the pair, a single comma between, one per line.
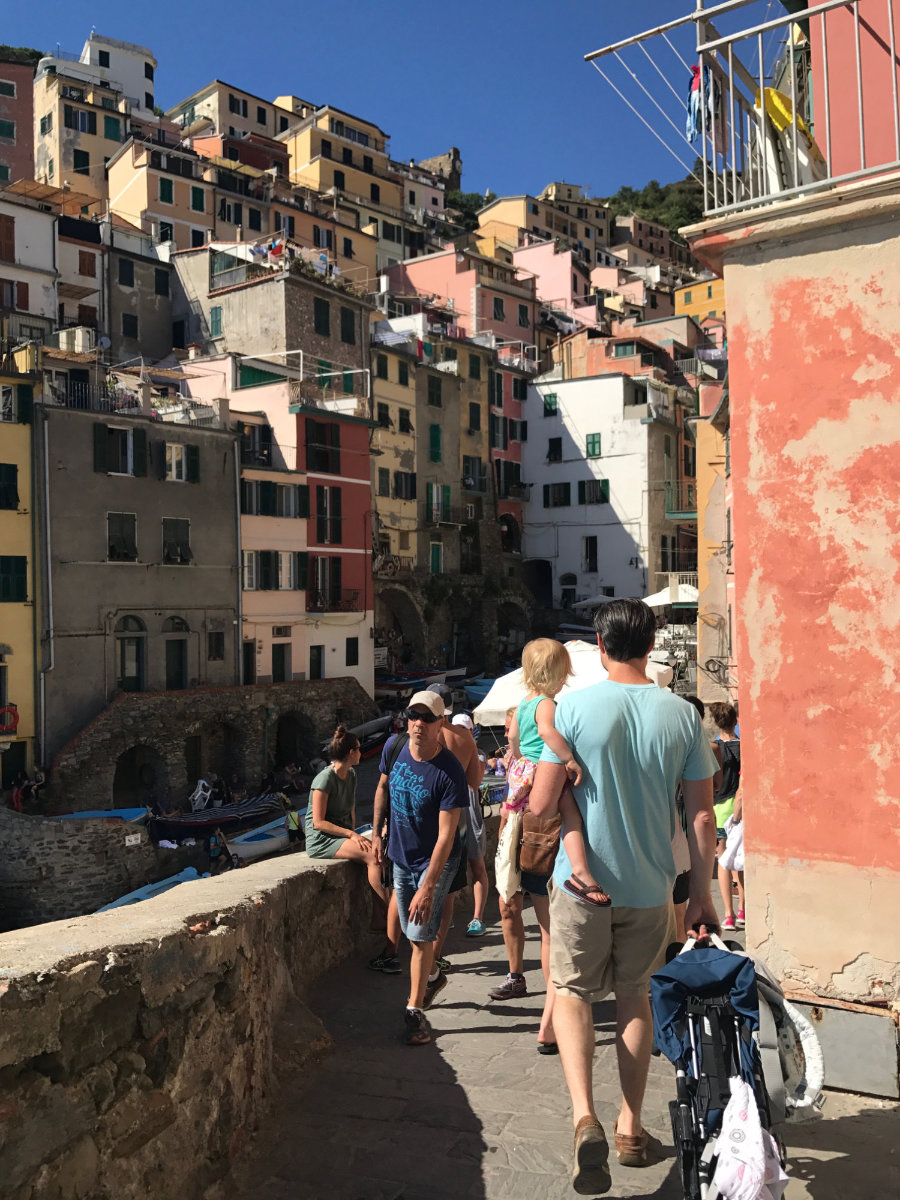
(635,743)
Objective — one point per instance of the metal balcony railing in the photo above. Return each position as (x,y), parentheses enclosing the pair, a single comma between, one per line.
(518,491)
(784,107)
(446,514)
(338,600)
(474,483)
(681,500)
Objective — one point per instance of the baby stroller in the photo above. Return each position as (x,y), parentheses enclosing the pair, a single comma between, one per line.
(745,1062)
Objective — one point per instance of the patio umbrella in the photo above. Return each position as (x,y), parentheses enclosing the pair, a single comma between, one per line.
(587,669)
(684,593)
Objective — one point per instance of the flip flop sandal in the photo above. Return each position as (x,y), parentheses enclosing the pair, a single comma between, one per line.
(547,1048)
(590,894)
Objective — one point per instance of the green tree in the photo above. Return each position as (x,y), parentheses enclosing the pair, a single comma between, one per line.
(467,205)
(20,54)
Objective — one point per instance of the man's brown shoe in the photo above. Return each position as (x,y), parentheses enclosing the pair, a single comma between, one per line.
(637,1151)
(590,1175)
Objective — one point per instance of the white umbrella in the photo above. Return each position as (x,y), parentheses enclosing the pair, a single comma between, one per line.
(587,669)
(594,602)
(684,593)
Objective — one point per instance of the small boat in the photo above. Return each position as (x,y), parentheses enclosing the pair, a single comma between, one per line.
(259,842)
(206,820)
(135,816)
(149,890)
(372,734)
(477,689)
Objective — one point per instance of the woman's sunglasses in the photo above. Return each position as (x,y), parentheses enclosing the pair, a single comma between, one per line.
(427,717)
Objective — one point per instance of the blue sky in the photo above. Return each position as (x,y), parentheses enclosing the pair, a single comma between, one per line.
(506,82)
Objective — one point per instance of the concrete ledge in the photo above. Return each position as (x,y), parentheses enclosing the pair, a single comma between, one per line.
(137,1046)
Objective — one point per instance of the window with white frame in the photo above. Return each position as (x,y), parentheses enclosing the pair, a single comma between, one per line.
(286,562)
(175,462)
(248,565)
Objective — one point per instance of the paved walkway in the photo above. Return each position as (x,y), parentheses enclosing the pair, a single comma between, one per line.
(478,1114)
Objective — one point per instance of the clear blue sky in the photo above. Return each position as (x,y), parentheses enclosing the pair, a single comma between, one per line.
(506,82)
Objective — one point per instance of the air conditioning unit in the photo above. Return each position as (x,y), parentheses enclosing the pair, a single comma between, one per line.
(470,512)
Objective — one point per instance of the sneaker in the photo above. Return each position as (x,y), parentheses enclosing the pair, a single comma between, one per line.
(513,987)
(442,964)
(416,1031)
(739,920)
(475,928)
(432,988)
(386,962)
(728,924)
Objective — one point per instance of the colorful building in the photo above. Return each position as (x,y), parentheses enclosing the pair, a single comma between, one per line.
(562,213)
(16,117)
(702,298)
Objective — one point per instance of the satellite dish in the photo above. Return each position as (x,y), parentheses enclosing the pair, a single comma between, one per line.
(104,343)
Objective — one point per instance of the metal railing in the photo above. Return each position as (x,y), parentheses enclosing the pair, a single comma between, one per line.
(784,107)
(92,397)
(681,499)
(338,600)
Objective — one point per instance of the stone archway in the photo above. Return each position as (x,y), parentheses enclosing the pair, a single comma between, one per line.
(400,626)
(293,740)
(141,776)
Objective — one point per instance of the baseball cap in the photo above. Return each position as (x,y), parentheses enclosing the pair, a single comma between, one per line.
(445,693)
(465,720)
(429,700)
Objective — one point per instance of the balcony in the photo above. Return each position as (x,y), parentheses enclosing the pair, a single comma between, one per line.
(519,491)
(338,600)
(681,500)
(450,514)
(474,483)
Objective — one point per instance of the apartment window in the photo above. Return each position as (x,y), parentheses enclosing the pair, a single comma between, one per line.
(368,165)
(434,443)
(7,238)
(589,554)
(351,653)
(524,316)
(13,578)
(405,424)
(317,662)
(551,404)
(499,309)
(261,115)
(215,321)
(347,156)
(687,297)
(436,558)
(322,317)
(404,485)
(236,105)
(339,181)
(198,238)
(498,432)
(323,446)
(286,573)
(198,199)
(126,272)
(9,486)
(77,118)
(215,647)
(557,495)
(375,193)
(129,325)
(121,541)
(519,388)
(403,373)
(176,537)
(166,191)
(593,491)
(434,391)
(8,130)
(81,162)
(87,263)
(47,124)
(554,449)
(254,219)
(328,515)
(474,366)
(384,416)
(474,417)
(325,148)
(592,445)
(176,464)
(248,570)
(664,552)
(348,326)
(384,481)
(495,388)
(120,451)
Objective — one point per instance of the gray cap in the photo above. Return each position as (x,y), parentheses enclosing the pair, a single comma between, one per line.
(445,693)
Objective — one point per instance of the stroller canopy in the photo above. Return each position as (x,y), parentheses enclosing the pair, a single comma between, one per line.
(705,973)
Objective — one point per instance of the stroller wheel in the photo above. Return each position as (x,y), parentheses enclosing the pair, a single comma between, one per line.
(686,1149)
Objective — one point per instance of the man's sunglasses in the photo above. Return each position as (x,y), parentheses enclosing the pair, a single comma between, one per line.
(428,717)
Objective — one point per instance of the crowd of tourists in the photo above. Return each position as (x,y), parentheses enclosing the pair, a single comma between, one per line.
(642,802)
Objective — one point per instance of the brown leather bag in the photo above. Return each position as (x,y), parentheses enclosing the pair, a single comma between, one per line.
(540,843)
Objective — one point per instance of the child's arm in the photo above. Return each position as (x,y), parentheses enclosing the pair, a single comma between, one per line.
(557,743)
(514,736)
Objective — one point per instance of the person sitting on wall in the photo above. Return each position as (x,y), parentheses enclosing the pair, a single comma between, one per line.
(234,789)
(219,858)
(293,821)
(267,783)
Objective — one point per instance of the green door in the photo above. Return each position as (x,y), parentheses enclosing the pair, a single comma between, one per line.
(437,558)
(176,664)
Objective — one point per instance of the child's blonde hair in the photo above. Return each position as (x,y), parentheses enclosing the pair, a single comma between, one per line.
(545,666)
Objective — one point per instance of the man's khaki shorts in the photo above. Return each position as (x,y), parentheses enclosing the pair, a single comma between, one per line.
(595,951)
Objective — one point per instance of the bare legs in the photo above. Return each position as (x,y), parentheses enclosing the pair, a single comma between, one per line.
(480,886)
(541,906)
(419,970)
(725,881)
(513,931)
(446,921)
(349,849)
(573,1021)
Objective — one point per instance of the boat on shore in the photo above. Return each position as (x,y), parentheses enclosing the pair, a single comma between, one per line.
(372,734)
(260,842)
(149,890)
(205,820)
(134,816)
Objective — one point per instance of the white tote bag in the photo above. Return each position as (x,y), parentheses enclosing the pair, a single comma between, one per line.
(507,876)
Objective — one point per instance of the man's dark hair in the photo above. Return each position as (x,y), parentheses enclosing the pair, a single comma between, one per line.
(627,629)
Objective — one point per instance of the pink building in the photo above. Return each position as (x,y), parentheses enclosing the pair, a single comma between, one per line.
(16,121)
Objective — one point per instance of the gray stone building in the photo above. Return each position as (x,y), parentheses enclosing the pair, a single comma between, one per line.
(137,524)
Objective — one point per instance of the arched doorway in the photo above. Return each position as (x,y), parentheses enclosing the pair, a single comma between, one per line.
(399,628)
(131,654)
(295,740)
(539,581)
(510,534)
(141,777)
(175,631)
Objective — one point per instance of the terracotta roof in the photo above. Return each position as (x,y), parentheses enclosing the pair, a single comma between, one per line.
(74,356)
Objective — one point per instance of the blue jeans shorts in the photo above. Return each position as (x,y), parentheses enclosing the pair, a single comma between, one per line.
(534,885)
(406,884)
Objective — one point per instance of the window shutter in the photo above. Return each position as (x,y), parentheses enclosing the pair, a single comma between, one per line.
(139,451)
(445,508)
(429,505)
(435,443)
(266,565)
(604,491)
(336,524)
(101,438)
(546,495)
(301,570)
(582,487)
(412,486)
(92,122)
(267,498)
(398,485)
(302,500)
(192,457)
(25,394)
(523,431)
(567,494)
(505,427)
(9,490)
(335,569)
(22,297)
(158,455)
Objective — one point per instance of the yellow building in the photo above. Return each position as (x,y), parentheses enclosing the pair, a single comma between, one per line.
(226,109)
(562,211)
(394,453)
(18,585)
(165,192)
(704,298)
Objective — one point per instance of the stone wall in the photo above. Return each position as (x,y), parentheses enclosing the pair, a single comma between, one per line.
(51,869)
(247,718)
(137,1047)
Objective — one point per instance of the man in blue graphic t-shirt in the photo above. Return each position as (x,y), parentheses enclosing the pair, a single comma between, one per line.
(426,792)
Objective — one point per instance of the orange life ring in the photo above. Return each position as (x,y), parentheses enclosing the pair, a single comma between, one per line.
(9,720)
